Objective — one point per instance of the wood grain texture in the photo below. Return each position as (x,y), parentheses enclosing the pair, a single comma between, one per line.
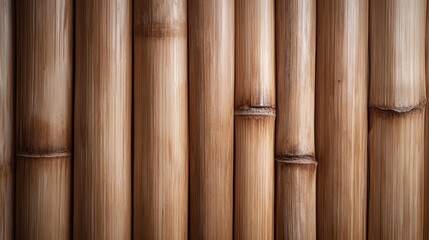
(160,120)
(102,143)
(211,116)
(295,202)
(341,118)
(396,136)
(7,82)
(426,147)
(43,119)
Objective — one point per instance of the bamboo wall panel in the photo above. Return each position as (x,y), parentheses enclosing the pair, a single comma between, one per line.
(160,120)
(6,118)
(397,98)
(211,107)
(341,118)
(254,119)
(102,130)
(295,165)
(43,119)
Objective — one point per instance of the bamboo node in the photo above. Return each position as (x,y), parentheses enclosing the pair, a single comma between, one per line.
(296,159)
(398,110)
(255,111)
(45,155)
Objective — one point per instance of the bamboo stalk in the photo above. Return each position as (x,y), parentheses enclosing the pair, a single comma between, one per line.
(211,107)
(102,144)
(43,119)
(6,118)
(295,165)
(254,120)
(161,120)
(397,100)
(426,147)
(341,118)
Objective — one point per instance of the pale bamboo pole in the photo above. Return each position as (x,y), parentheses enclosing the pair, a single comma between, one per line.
(254,119)
(6,118)
(295,202)
(397,100)
(341,118)
(102,130)
(211,108)
(160,120)
(426,162)
(43,119)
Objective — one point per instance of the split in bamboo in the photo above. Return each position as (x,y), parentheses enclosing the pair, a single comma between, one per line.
(254,119)
(43,119)
(102,143)
(295,202)
(341,118)
(160,120)
(397,100)
(7,82)
(211,108)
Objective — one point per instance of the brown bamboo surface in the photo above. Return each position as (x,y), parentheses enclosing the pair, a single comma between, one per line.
(396,136)
(160,120)
(341,118)
(254,119)
(102,130)
(426,147)
(295,165)
(211,108)
(43,119)
(6,118)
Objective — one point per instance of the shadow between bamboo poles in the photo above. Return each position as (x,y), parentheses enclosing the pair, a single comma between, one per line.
(7,82)
(102,143)
(341,118)
(43,119)
(397,100)
(211,107)
(161,120)
(295,202)
(426,147)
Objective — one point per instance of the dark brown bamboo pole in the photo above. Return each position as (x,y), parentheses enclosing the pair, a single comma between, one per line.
(295,202)
(341,118)
(43,119)
(397,100)
(102,143)
(160,120)
(254,119)
(211,108)
(7,82)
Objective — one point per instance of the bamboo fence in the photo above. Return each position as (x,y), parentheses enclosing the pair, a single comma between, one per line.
(6,118)
(341,118)
(254,119)
(44,50)
(397,98)
(102,120)
(211,108)
(160,120)
(295,199)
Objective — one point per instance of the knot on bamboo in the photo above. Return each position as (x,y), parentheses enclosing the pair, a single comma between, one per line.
(398,110)
(44,155)
(255,111)
(303,159)
(161,30)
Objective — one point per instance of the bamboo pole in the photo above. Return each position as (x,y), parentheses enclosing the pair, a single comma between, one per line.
(295,202)
(341,118)
(102,143)
(6,118)
(211,107)
(161,120)
(43,119)
(397,100)
(254,120)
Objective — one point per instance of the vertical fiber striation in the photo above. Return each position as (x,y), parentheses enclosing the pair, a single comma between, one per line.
(211,117)
(160,120)
(426,141)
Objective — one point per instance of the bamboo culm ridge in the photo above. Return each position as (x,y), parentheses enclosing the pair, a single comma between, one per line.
(214,119)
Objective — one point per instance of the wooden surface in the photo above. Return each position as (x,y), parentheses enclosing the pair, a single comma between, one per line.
(43,119)
(211,108)
(102,130)
(426,163)
(7,82)
(341,118)
(295,165)
(254,119)
(160,120)
(396,136)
